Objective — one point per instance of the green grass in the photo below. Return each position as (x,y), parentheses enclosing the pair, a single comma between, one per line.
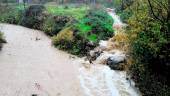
(75,12)
(19,7)
(83,28)
(92,37)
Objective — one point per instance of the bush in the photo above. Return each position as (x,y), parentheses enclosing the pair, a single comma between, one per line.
(75,44)
(65,41)
(1,40)
(55,24)
(65,37)
(86,32)
(95,26)
(10,15)
(150,52)
(125,14)
(34,17)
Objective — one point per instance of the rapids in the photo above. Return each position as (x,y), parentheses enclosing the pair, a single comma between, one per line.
(98,79)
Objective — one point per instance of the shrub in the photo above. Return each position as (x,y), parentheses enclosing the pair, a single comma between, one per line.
(100,22)
(150,52)
(10,15)
(64,37)
(64,40)
(49,26)
(125,14)
(95,26)
(34,16)
(1,40)
(55,24)
(87,32)
(69,41)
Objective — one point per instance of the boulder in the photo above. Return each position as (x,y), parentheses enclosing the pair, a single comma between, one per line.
(117,61)
(94,54)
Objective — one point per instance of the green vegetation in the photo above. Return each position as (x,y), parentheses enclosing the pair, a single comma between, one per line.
(71,11)
(64,39)
(87,32)
(87,25)
(33,17)
(10,15)
(55,24)
(1,40)
(93,28)
(78,29)
(1,37)
(149,44)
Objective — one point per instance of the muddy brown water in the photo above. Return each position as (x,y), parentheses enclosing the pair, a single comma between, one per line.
(29,65)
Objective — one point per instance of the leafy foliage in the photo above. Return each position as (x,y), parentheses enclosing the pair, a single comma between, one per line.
(10,15)
(33,16)
(74,44)
(55,24)
(64,38)
(149,47)
(87,32)
(95,26)
(1,40)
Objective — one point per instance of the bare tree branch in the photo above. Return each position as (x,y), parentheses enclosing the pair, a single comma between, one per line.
(153,13)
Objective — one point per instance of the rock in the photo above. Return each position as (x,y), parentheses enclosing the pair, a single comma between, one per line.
(94,54)
(117,61)
(37,39)
(102,59)
(103,44)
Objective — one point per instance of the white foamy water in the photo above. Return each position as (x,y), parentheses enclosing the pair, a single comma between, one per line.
(117,24)
(30,67)
(99,80)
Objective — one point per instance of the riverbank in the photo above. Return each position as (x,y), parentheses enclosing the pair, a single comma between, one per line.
(2,40)
(96,77)
(42,69)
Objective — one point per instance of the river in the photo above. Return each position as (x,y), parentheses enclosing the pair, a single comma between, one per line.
(31,66)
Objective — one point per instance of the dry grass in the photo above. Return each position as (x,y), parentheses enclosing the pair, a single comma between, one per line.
(66,35)
(119,41)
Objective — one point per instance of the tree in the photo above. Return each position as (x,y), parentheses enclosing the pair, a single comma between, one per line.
(160,11)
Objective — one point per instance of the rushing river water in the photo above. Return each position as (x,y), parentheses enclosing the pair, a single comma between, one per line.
(30,65)
(99,80)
